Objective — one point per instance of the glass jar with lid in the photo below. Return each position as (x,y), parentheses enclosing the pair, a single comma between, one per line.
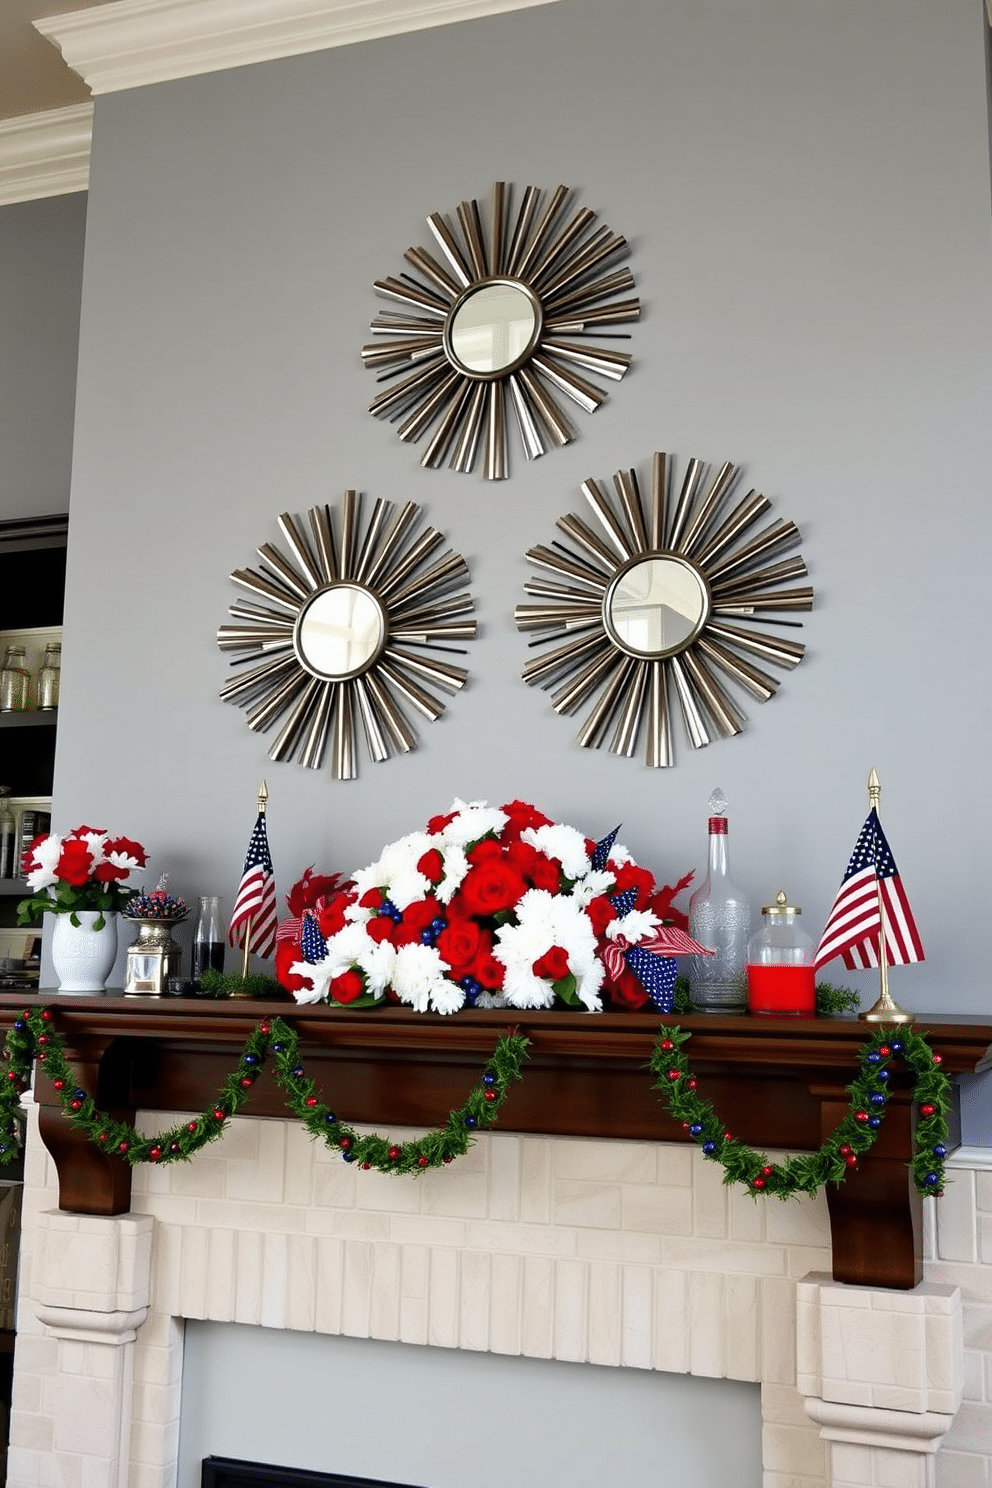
(50,676)
(781,978)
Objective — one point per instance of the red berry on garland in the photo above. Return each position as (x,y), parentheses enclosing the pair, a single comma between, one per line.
(218,1114)
(76,1105)
(861,1116)
(44,1039)
(768,1171)
(173,1146)
(11,1074)
(394,1153)
(884,1050)
(266,1027)
(104,1137)
(423,1162)
(58,1084)
(728,1136)
(667,1044)
(155,1154)
(366,1166)
(851,1159)
(246,1082)
(447,1159)
(344,1142)
(490,1095)
(844,1149)
(41,1058)
(191,1126)
(46,1015)
(757,1182)
(311,1100)
(692,1083)
(938,1059)
(685,1126)
(122,1146)
(674,1074)
(927,1108)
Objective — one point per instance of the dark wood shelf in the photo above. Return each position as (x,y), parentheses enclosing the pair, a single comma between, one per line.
(777,1082)
(46,718)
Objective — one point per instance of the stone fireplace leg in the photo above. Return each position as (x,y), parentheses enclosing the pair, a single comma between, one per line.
(883,1374)
(91,1289)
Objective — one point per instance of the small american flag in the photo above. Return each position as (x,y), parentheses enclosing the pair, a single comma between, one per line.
(852,929)
(256,898)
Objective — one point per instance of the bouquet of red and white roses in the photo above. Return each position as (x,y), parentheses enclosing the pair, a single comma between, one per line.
(491,907)
(85,869)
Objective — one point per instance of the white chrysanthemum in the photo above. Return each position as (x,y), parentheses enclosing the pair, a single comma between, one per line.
(408,887)
(487,1000)
(474,820)
(398,859)
(634,927)
(545,920)
(96,842)
(619,855)
(45,856)
(564,843)
(319,976)
(358,914)
(589,888)
(447,996)
(455,869)
(126,862)
(417,972)
(352,947)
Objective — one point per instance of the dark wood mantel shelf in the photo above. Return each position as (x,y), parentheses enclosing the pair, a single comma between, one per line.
(776,1082)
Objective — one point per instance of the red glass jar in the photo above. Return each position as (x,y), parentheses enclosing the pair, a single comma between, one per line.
(781,979)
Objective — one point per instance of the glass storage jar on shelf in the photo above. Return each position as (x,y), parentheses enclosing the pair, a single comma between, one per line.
(720,920)
(49,677)
(781,978)
(15,681)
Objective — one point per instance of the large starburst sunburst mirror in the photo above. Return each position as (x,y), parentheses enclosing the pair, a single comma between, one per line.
(347,631)
(503,320)
(671,597)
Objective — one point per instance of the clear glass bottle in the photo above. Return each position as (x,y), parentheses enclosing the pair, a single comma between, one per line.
(9,866)
(15,680)
(50,676)
(720,919)
(780,975)
(208,938)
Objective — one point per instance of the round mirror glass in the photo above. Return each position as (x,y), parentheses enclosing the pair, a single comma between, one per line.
(492,329)
(340,632)
(656,607)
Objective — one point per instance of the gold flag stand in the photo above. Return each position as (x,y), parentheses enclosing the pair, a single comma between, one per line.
(886,1009)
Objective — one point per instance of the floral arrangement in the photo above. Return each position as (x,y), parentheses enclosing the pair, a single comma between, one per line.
(158,905)
(83,870)
(489,907)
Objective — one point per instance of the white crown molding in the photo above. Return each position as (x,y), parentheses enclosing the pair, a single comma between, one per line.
(979,1158)
(45,154)
(135,42)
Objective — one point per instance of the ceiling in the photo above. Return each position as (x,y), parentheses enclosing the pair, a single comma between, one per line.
(33,76)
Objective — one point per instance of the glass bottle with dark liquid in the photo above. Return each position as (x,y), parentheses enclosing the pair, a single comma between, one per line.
(208,938)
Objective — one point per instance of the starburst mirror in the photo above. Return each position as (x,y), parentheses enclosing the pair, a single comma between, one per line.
(647,610)
(506,317)
(351,629)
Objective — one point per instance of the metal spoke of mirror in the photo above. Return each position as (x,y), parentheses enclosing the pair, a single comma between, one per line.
(669,599)
(348,629)
(503,319)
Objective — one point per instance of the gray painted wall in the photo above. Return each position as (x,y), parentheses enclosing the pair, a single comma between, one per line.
(806,189)
(41,272)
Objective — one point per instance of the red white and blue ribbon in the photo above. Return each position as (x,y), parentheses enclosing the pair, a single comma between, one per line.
(652,958)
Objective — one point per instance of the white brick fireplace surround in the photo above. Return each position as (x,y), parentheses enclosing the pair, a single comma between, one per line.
(630,1254)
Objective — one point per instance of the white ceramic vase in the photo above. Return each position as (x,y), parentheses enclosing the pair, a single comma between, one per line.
(82,957)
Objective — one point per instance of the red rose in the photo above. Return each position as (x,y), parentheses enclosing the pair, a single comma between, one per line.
(485,849)
(488,972)
(553,965)
(75,862)
(632,877)
(521,816)
(372,899)
(418,915)
(287,954)
(348,986)
(431,865)
(491,887)
(380,929)
(626,992)
(459,944)
(546,874)
(438,823)
(331,918)
(522,856)
(600,912)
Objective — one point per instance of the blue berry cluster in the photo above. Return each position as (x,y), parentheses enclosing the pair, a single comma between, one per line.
(433,930)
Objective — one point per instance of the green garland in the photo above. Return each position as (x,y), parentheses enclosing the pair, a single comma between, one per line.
(34,1037)
(852,1139)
